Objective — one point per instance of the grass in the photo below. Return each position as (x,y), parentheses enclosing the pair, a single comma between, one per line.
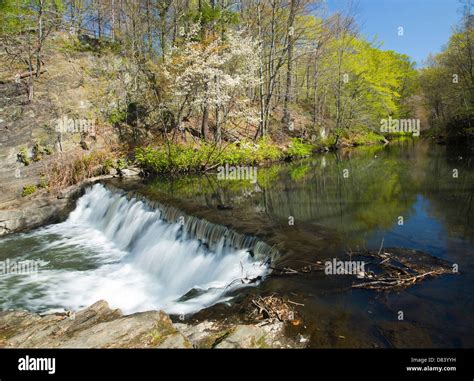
(185,158)
(67,171)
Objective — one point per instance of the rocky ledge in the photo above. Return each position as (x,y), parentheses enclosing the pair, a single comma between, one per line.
(98,326)
(45,208)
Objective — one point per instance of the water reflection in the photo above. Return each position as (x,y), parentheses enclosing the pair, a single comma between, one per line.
(350,199)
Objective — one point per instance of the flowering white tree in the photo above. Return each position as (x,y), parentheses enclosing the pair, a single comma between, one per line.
(215,72)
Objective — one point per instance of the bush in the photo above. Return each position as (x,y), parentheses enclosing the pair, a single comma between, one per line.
(43,183)
(359,136)
(299,149)
(67,171)
(188,158)
(39,151)
(28,190)
(24,156)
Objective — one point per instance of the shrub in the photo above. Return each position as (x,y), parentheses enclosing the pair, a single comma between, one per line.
(39,151)
(188,158)
(24,156)
(67,171)
(43,183)
(299,149)
(28,190)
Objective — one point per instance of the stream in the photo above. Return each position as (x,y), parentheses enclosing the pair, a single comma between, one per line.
(412,194)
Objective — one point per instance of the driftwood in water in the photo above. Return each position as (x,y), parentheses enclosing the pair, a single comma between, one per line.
(385,269)
(393,268)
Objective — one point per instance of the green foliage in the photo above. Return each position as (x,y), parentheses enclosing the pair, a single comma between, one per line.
(447,83)
(39,151)
(100,46)
(299,149)
(118,164)
(361,136)
(24,156)
(43,183)
(188,158)
(117,116)
(375,84)
(209,16)
(12,16)
(28,190)
(121,163)
(18,15)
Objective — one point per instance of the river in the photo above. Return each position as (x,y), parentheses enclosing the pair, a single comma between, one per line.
(411,194)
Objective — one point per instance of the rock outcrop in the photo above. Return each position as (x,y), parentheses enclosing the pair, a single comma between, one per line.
(99,326)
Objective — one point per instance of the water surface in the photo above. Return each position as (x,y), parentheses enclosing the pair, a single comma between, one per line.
(339,202)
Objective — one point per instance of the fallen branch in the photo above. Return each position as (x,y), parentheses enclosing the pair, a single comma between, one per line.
(23,75)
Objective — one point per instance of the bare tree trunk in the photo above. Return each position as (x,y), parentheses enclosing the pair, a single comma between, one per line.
(148,26)
(262,126)
(112,27)
(218,126)
(99,19)
(289,70)
(205,122)
(40,37)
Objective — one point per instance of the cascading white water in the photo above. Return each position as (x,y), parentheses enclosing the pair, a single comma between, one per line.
(121,250)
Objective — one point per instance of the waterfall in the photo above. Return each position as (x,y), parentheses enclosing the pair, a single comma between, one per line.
(138,255)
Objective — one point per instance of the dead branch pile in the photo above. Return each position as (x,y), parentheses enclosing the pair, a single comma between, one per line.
(272,308)
(395,268)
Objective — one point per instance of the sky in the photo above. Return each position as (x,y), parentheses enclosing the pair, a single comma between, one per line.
(427,24)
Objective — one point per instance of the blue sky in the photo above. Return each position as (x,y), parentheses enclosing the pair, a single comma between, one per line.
(427,24)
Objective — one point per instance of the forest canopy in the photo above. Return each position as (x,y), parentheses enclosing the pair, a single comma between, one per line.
(232,69)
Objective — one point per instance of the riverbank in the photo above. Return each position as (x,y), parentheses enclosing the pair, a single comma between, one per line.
(47,189)
(331,214)
(99,326)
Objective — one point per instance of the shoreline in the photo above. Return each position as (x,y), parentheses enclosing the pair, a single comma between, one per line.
(99,326)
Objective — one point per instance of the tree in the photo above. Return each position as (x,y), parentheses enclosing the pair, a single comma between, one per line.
(26,25)
(448,79)
(213,73)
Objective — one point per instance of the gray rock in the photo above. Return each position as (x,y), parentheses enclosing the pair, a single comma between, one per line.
(97,326)
(127,172)
(245,336)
